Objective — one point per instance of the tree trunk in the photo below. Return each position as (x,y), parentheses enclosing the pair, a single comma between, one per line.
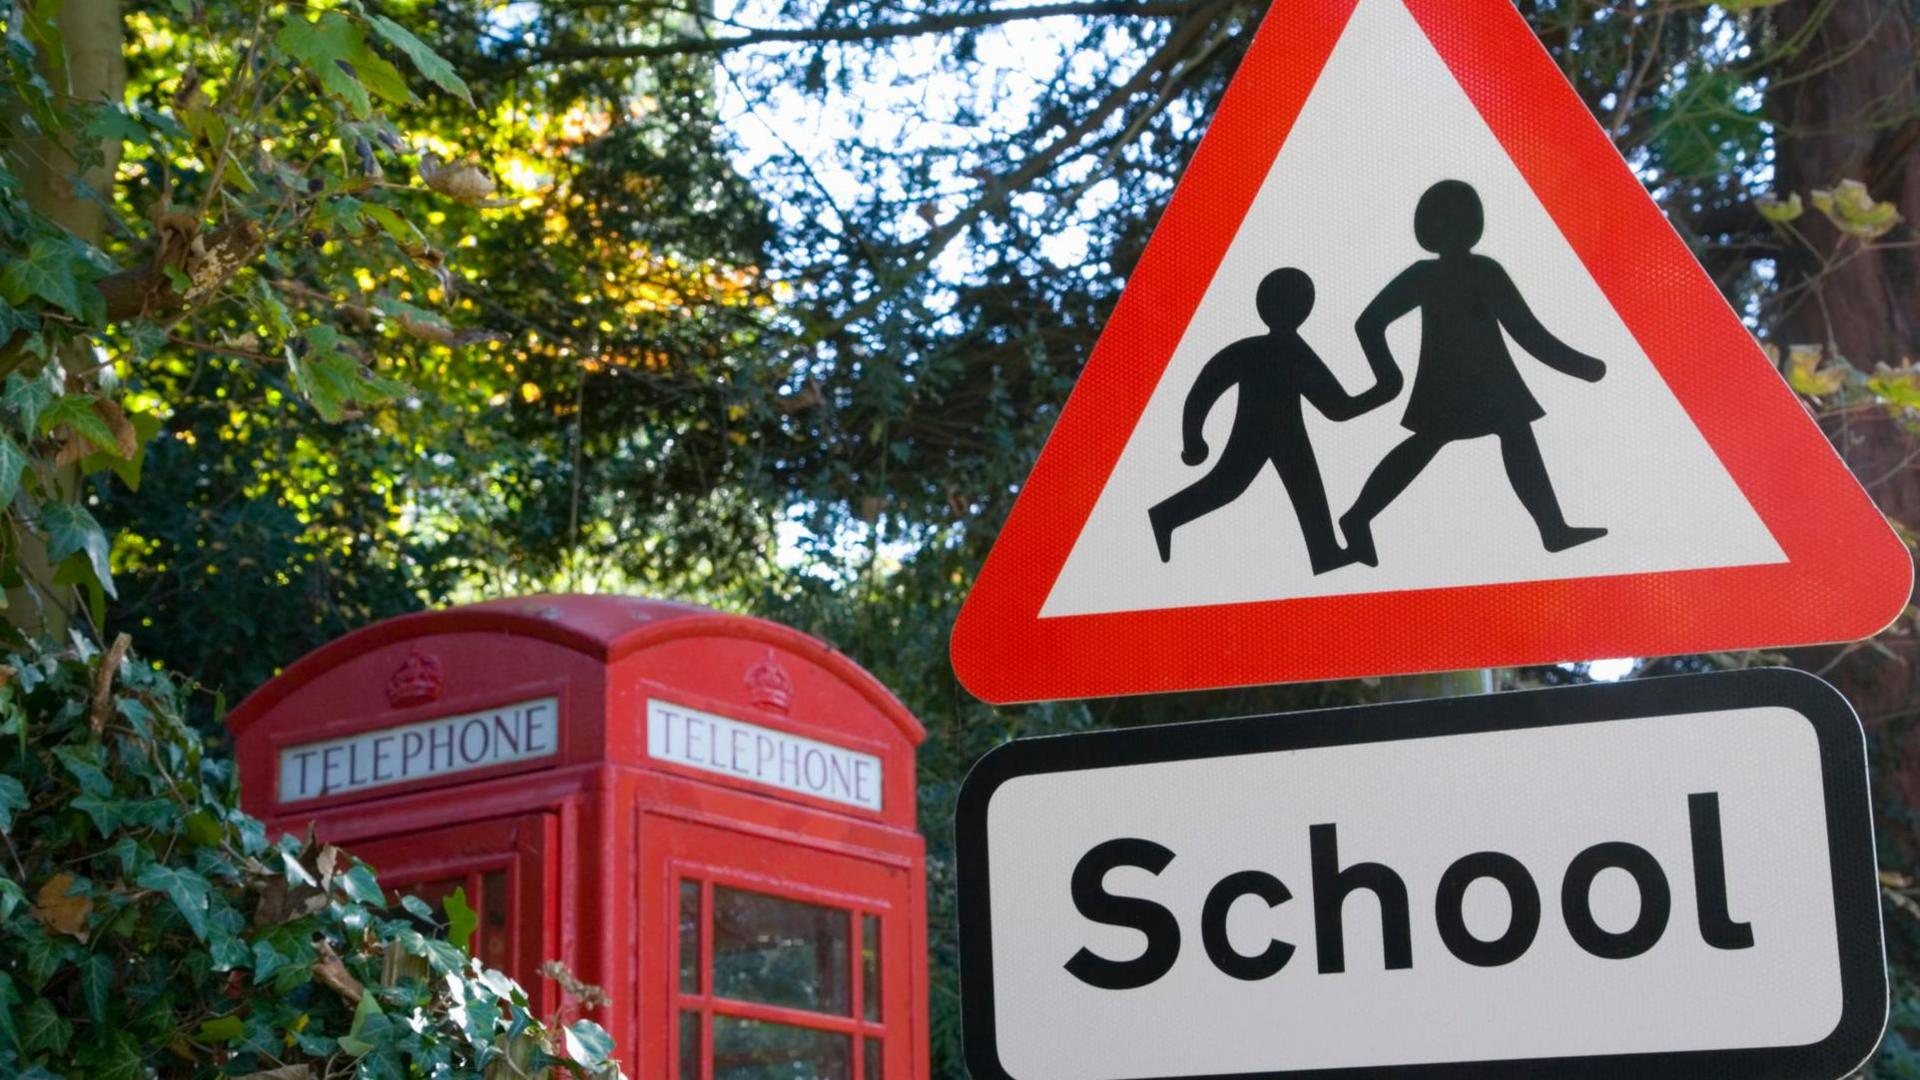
(95,34)
(96,63)
(1846,104)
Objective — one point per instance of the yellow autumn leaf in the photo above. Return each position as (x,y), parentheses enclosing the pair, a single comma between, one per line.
(1806,376)
(1854,211)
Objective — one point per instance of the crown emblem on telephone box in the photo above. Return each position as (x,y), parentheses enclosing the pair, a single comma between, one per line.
(416,681)
(768,684)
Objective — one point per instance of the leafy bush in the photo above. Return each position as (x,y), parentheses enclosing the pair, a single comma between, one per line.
(146,924)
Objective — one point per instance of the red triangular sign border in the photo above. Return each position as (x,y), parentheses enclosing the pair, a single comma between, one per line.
(1847,576)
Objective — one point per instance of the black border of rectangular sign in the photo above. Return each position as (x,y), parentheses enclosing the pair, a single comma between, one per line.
(1863,1012)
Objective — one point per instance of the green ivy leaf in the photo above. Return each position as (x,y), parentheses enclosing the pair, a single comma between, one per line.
(41,1028)
(444,958)
(140,718)
(47,271)
(360,884)
(26,397)
(13,462)
(333,380)
(588,1044)
(186,889)
(83,763)
(267,961)
(104,812)
(363,1014)
(462,920)
(430,63)
(70,531)
(118,1057)
(45,954)
(9,997)
(335,49)
(13,796)
(226,950)
(96,986)
(481,1020)
(13,320)
(111,123)
(77,411)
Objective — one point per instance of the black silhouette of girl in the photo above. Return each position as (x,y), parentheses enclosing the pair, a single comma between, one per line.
(1274,372)
(1467,385)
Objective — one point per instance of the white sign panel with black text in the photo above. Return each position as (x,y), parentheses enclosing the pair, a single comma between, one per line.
(445,745)
(720,744)
(1659,879)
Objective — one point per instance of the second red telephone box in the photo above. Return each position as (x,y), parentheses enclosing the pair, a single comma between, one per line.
(711,817)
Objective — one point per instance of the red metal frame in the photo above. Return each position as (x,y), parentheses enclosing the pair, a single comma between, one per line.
(583,834)
(713,855)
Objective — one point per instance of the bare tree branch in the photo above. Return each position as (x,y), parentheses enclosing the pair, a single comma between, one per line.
(1165,59)
(932,24)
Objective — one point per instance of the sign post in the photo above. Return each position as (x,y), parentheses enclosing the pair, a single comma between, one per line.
(1670,878)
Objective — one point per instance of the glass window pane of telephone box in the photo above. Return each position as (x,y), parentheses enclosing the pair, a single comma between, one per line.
(785,991)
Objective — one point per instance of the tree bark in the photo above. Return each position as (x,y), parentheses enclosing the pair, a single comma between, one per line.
(95,34)
(96,63)
(1846,104)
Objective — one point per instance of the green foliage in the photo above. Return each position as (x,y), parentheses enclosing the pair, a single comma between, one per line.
(53,272)
(253,146)
(334,49)
(146,922)
(430,63)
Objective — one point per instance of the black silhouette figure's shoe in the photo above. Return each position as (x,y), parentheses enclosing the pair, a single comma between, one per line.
(1566,536)
(1359,534)
(1335,562)
(1162,535)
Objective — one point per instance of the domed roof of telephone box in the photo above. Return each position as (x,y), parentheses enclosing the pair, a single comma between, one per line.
(604,627)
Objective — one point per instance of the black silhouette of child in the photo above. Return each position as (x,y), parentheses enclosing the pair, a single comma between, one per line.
(1467,385)
(1274,372)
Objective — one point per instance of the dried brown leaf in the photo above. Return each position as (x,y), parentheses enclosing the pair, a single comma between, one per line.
(397,964)
(332,973)
(460,181)
(74,447)
(125,438)
(100,710)
(59,910)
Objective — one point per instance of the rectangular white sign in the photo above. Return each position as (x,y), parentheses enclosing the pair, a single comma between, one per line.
(437,747)
(719,744)
(1669,878)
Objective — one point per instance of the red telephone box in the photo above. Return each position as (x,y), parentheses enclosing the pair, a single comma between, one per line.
(711,817)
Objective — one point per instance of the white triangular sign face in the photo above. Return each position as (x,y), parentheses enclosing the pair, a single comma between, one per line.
(1339,205)
(1561,366)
